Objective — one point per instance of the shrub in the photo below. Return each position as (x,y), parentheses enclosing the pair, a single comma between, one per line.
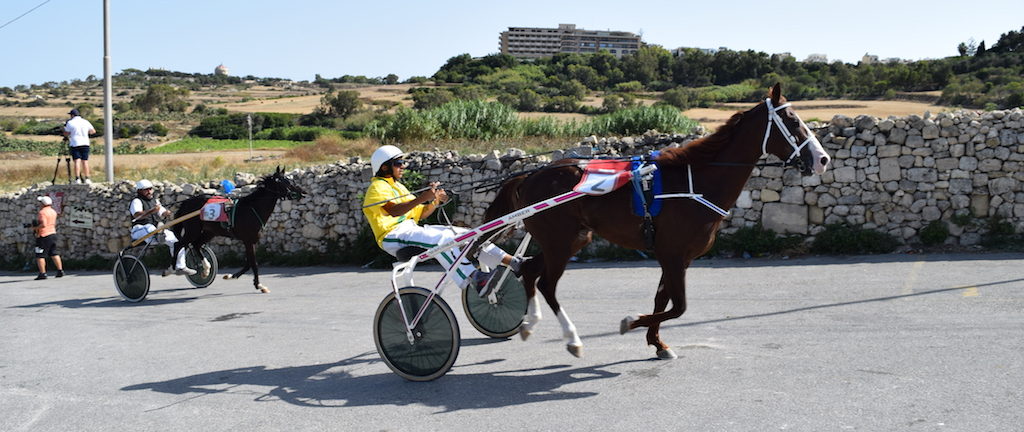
(756,241)
(294,133)
(962,219)
(128,130)
(845,239)
(642,119)
(126,147)
(1000,234)
(529,100)
(157,129)
(629,86)
(935,233)
(426,98)
(9,124)
(234,126)
(33,127)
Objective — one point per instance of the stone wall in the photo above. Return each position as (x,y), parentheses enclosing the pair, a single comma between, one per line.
(899,174)
(894,175)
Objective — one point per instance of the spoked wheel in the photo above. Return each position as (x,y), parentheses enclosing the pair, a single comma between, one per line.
(435,339)
(502,317)
(131,278)
(204,276)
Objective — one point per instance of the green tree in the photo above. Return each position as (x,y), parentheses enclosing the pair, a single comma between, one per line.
(391,79)
(162,98)
(529,100)
(341,104)
(573,89)
(649,63)
(692,68)
(1009,42)
(426,98)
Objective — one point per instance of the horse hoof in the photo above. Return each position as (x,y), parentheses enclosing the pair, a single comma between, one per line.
(575,350)
(626,322)
(667,354)
(525,334)
(227,276)
(263,289)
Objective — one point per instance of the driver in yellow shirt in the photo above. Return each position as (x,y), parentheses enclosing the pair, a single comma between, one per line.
(395,222)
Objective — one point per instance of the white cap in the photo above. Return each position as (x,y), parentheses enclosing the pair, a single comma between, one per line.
(143,184)
(384,154)
(45,200)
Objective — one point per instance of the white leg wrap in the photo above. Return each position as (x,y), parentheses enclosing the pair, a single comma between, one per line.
(180,262)
(531,318)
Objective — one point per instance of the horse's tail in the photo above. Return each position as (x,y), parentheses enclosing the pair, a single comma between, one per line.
(507,199)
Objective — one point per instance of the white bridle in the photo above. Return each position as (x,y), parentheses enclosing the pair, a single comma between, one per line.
(776,119)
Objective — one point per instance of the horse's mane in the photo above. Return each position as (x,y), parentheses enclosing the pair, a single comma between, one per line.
(703,150)
(262,182)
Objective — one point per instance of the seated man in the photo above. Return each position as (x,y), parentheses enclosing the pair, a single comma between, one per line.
(145,211)
(394,220)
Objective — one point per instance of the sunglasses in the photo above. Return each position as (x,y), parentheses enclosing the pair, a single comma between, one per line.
(397,163)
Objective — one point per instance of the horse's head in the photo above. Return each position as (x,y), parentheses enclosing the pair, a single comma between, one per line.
(787,137)
(281,186)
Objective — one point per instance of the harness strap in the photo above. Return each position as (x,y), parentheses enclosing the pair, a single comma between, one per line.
(231,214)
(775,118)
(695,196)
(258,218)
(641,187)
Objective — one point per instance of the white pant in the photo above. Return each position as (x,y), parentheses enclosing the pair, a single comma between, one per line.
(408,233)
(139,231)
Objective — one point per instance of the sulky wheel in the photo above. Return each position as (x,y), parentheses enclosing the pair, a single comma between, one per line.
(131,278)
(500,317)
(435,339)
(205,274)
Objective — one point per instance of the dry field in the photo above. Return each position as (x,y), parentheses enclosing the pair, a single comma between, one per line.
(23,169)
(305,104)
(822,110)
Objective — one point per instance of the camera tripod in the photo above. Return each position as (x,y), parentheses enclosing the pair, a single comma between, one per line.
(65,151)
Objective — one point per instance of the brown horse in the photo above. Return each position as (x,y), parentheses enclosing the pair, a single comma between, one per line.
(717,166)
(250,213)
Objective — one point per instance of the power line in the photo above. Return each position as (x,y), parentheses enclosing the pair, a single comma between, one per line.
(26,13)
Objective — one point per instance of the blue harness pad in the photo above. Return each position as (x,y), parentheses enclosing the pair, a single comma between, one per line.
(638,194)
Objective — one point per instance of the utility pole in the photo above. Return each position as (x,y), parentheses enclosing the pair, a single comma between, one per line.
(248,121)
(108,118)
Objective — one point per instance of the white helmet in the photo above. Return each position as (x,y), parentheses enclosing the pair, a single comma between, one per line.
(384,154)
(143,184)
(45,200)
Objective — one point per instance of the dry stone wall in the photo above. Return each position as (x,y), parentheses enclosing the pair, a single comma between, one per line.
(894,175)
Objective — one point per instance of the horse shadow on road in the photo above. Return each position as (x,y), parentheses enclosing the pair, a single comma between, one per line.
(823,306)
(332,385)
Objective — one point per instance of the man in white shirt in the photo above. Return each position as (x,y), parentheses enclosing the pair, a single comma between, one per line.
(145,211)
(78,129)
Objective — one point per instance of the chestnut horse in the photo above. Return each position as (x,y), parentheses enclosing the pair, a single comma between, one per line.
(250,213)
(716,166)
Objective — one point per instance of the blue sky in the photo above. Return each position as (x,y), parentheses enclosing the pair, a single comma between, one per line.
(63,39)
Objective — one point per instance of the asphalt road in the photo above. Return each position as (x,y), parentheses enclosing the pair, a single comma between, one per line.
(883,343)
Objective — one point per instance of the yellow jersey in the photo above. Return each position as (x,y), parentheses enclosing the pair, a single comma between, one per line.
(382,188)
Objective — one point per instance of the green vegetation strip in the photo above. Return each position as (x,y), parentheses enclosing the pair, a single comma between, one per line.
(196,145)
